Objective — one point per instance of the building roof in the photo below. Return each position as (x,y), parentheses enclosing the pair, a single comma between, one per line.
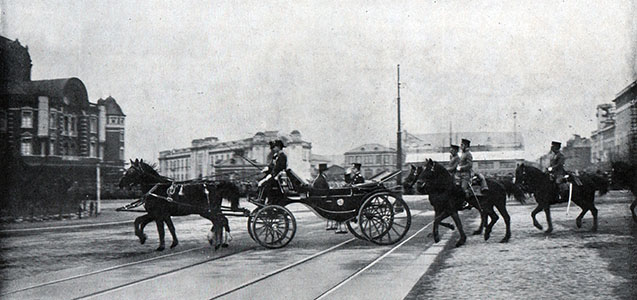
(477,156)
(112,108)
(370,148)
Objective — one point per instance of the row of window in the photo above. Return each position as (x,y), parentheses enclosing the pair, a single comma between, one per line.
(116,120)
(65,148)
(377,159)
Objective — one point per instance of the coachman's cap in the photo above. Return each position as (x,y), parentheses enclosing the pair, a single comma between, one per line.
(556,143)
(357,165)
(322,167)
(466,142)
(271,144)
(279,143)
(456,147)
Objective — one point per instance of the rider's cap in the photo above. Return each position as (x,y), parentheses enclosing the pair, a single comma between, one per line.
(279,143)
(455,147)
(271,144)
(357,165)
(466,142)
(556,143)
(322,167)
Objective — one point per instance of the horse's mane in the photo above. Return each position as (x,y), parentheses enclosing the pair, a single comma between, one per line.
(151,169)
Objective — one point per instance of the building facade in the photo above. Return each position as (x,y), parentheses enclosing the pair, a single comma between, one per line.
(49,129)
(603,148)
(626,123)
(494,153)
(374,158)
(209,157)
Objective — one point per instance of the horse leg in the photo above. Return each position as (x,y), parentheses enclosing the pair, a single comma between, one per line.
(535,212)
(507,220)
(171,228)
(594,212)
(437,217)
(578,220)
(463,237)
(547,212)
(632,209)
(448,225)
(160,230)
(217,224)
(483,222)
(140,223)
(494,218)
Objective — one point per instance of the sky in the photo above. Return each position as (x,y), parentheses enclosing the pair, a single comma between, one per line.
(182,70)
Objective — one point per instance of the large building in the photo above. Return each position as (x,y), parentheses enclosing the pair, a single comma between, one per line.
(374,158)
(494,153)
(210,157)
(616,135)
(50,131)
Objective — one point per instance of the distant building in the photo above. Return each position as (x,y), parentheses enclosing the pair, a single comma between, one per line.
(374,158)
(626,123)
(603,148)
(50,132)
(210,157)
(494,153)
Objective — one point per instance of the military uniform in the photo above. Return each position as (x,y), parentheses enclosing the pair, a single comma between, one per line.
(464,171)
(556,168)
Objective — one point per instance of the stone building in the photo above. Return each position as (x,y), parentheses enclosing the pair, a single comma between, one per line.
(374,158)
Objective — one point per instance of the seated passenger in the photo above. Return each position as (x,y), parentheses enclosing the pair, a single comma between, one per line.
(353,174)
(320,182)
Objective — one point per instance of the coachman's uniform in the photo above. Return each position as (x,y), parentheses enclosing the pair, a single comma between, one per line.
(320,182)
(278,164)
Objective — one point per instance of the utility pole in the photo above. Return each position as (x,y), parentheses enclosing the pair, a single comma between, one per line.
(515,129)
(399,147)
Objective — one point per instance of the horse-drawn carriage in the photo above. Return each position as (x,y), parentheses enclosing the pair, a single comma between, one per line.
(371,211)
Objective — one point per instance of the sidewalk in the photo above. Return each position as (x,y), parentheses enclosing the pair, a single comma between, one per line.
(570,263)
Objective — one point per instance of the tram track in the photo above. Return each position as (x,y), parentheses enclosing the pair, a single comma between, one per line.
(315,255)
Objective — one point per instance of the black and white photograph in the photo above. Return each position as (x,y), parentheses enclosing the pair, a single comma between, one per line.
(215,149)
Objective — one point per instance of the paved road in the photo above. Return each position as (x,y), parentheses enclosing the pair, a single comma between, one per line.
(315,263)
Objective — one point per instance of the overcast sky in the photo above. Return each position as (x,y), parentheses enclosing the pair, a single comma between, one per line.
(183,70)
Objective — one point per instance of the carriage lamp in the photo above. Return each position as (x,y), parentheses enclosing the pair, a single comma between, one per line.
(340,202)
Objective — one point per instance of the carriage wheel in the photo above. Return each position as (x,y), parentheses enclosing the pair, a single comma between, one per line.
(273,226)
(355,229)
(250,221)
(384,218)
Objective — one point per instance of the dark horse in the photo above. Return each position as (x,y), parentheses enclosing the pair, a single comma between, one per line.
(163,199)
(447,198)
(625,175)
(546,192)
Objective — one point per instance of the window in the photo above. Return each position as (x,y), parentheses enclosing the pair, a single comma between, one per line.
(73,126)
(93,125)
(53,120)
(92,149)
(121,121)
(27,119)
(121,136)
(3,120)
(26,146)
(66,124)
(386,159)
(379,159)
(121,153)
(52,147)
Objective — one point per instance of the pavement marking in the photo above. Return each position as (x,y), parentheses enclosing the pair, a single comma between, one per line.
(348,279)
(63,227)
(282,269)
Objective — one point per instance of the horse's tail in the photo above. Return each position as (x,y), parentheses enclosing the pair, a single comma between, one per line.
(601,184)
(515,190)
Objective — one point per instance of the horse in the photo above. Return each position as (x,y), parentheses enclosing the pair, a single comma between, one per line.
(163,199)
(447,198)
(625,175)
(512,190)
(546,193)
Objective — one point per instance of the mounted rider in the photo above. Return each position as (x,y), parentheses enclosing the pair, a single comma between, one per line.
(278,164)
(353,174)
(556,167)
(454,159)
(465,170)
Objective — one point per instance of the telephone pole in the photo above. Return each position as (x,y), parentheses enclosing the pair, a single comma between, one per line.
(399,148)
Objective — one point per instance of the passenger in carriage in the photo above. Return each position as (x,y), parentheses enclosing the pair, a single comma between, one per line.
(353,174)
(278,164)
(320,182)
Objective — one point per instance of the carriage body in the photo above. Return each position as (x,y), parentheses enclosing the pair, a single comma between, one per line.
(370,210)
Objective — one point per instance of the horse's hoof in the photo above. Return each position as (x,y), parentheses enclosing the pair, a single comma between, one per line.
(173,245)
(594,229)
(477,232)
(451,227)
(578,222)
(505,240)
(160,248)
(549,230)
(538,226)
(461,242)
(224,245)
(487,235)
(142,239)
(217,247)
(436,238)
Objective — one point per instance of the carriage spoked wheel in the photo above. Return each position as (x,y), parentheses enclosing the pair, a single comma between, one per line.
(353,228)
(250,220)
(384,218)
(273,226)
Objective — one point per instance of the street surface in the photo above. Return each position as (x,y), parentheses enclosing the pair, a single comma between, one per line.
(107,261)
